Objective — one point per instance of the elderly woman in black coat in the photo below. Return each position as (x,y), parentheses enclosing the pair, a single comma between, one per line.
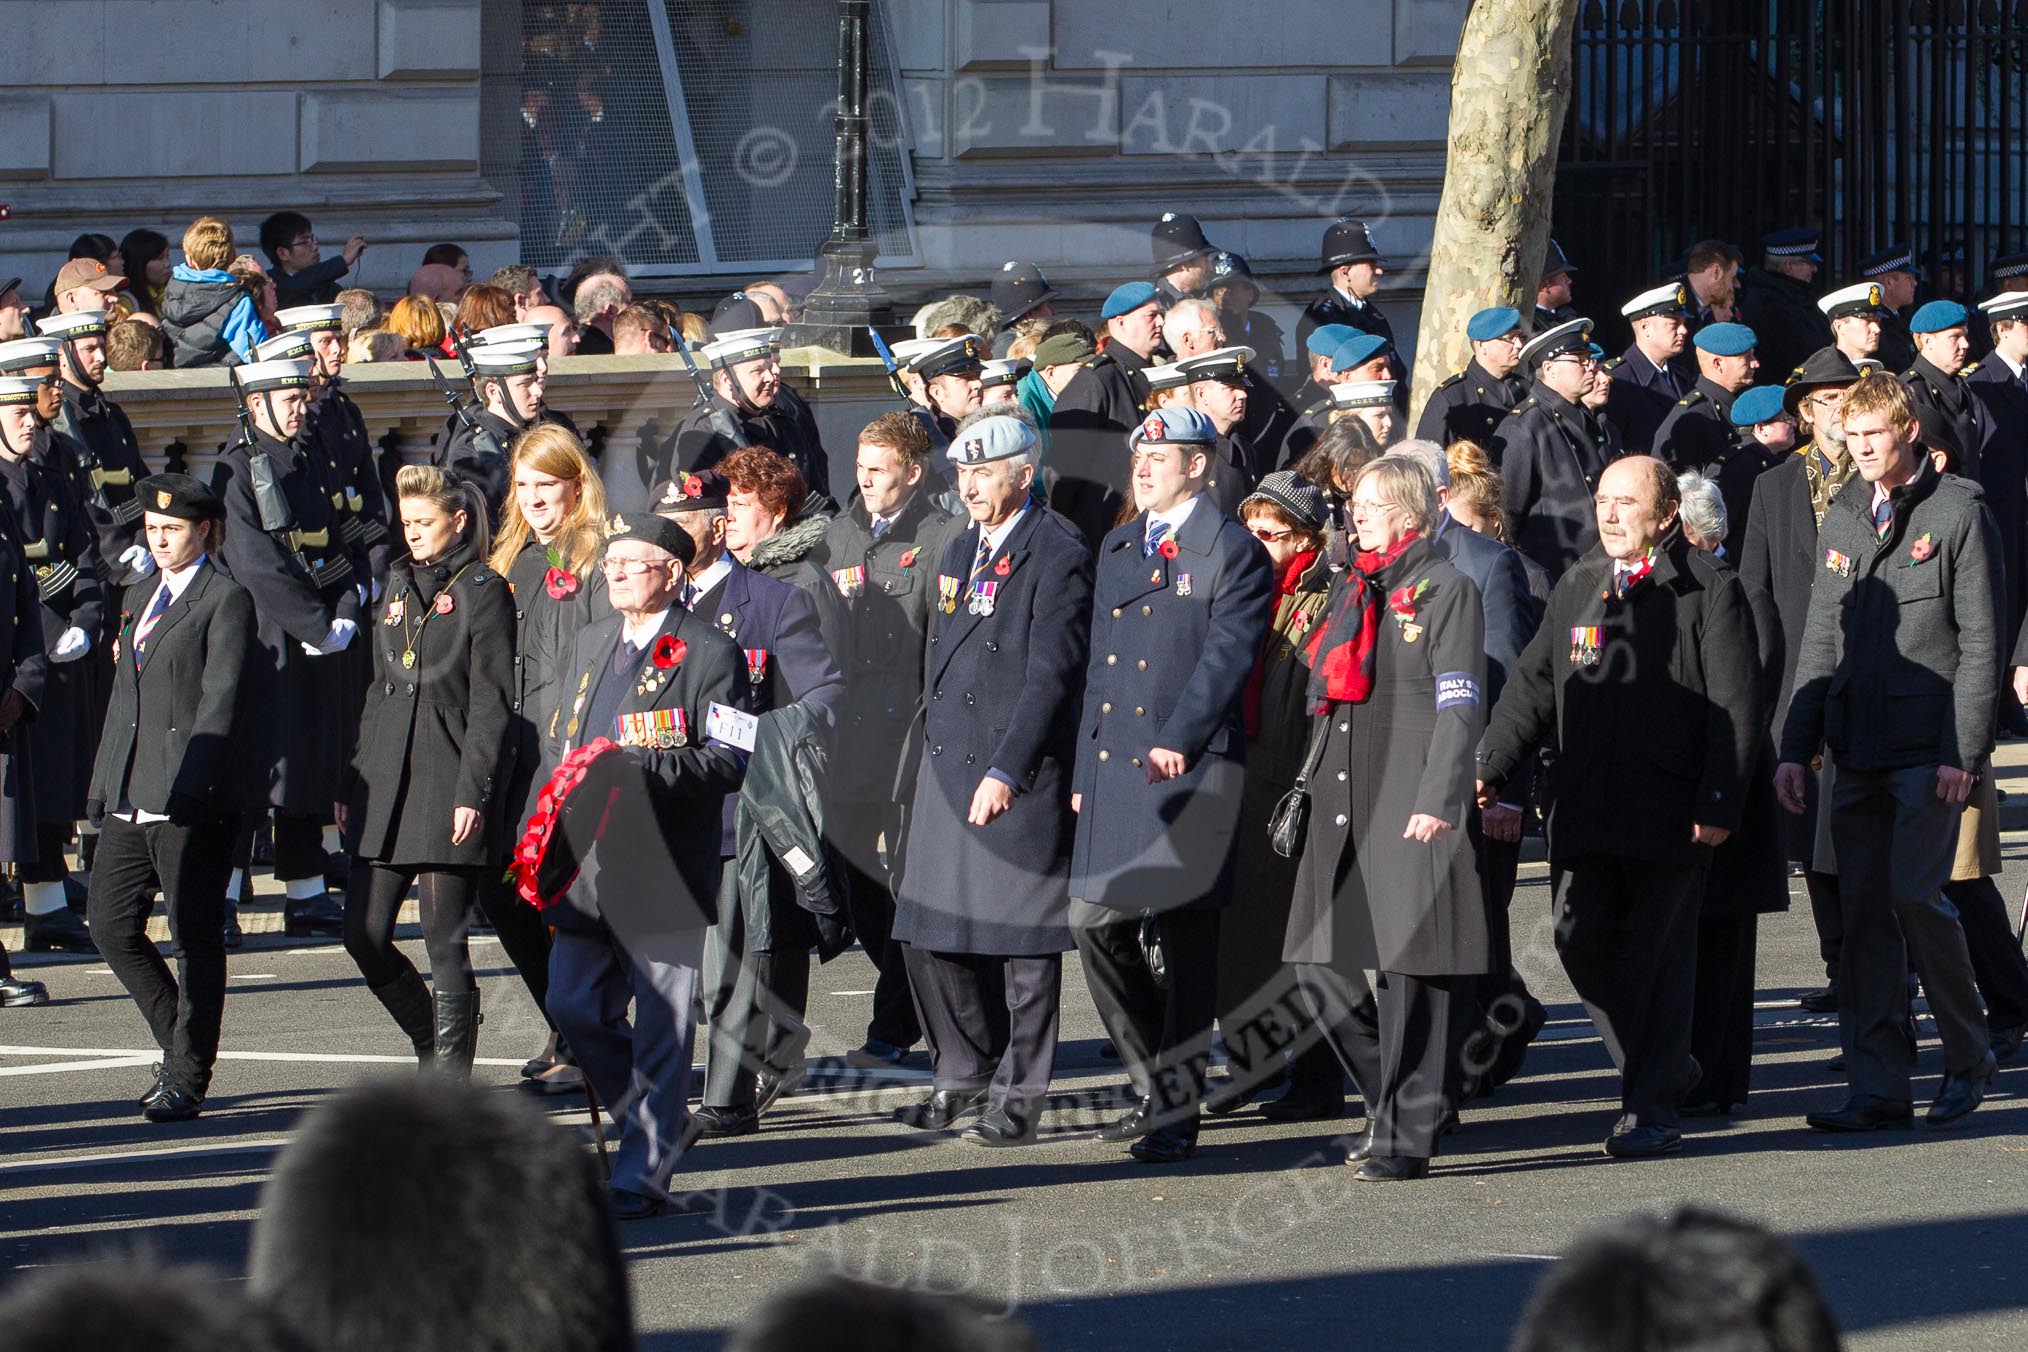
(1388,880)
(428,781)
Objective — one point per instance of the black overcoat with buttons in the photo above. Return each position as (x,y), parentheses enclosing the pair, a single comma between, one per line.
(1550,453)
(1173,641)
(1001,692)
(1468,406)
(338,430)
(95,443)
(433,736)
(545,631)
(1367,896)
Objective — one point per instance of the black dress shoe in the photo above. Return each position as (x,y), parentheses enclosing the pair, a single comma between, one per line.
(16,993)
(997,1127)
(1226,1095)
(773,1085)
(1362,1149)
(157,1089)
(60,931)
(174,1105)
(235,937)
(1962,1093)
(1129,1126)
(312,916)
(1705,1108)
(710,1121)
(875,1055)
(941,1109)
(1865,1112)
(1168,1145)
(1304,1106)
(1823,1000)
(1643,1142)
(1391,1169)
(2007,1041)
(631,1206)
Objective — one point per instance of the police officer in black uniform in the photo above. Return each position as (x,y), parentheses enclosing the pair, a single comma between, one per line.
(283,545)
(1019,292)
(1182,258)
(748,389)
(1470,405)
(169,785)
(1552,293)
(882,551)
(1894,268)
(1551,450)
(1352,262)
(1775,300)
(1234,291)
(60,544)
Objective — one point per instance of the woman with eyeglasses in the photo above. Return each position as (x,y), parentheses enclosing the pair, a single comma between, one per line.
(427,803)
(1289,517)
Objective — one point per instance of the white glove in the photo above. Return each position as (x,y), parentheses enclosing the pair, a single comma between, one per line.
(335,641)
(72,644)
(137,560)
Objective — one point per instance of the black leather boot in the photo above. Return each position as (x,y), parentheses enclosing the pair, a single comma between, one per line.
(407,997)
(458,1021)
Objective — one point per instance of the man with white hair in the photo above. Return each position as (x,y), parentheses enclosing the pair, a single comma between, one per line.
(1702,513)
(1191,328)
(600,298)
(981,908)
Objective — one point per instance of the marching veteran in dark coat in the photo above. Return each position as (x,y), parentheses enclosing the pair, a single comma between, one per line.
(1181,602)
(1643,677)
(1388,880)
(981,905)
(653,679)
(97,444)
(427,799)
(59,741)
(169,786)
(23,667)
(1551,450)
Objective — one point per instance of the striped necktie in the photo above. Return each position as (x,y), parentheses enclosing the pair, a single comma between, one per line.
(151,619)
(1158,531)
(985,554)
(1883,517)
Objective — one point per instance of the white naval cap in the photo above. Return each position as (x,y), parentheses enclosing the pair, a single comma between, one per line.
(1671,299)
(284,346)
(28,354)
(1005,371)
(311,318)
(742,345)
(281,374)
(1363,394)
(1861,298)
(76,324)
(509,333)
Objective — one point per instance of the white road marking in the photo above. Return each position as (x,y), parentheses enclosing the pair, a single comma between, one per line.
(107,1063)
(152,1053)
(264,1144)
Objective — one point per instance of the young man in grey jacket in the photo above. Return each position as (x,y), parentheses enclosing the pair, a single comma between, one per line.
(1898,676)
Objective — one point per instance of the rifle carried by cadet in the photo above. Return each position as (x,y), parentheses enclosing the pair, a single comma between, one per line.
(723,423)
(278,518)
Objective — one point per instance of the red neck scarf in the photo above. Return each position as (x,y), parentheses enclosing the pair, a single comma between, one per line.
(1340,652)
(1291,578)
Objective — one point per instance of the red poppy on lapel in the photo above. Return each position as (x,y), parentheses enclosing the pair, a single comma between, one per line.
(1003,567)
(1167,549)
(444,603)
(909,557)
(560,583)
(669,651)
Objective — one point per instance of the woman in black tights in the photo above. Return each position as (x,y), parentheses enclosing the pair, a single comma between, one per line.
(428,784)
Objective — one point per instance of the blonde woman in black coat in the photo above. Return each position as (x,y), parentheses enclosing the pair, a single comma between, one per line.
(428,781)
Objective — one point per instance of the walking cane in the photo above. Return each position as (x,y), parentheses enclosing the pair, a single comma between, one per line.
(591,1101)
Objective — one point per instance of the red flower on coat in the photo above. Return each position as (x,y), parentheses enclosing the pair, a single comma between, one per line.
(444,603)
(669,651)
(1921,549)
(1003,567)
(693,487)
(1167,549)
(560,583)
(909,558)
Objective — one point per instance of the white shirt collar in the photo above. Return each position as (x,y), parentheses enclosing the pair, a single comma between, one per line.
(643,634)
(1350,299)
(178,580)
(998,536)
(2012,365)
(1175,516)
(703,582)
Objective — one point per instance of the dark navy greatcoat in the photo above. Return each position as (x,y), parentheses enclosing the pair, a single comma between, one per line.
(1778,561)
(1550,453)
(2003,473)
(1173,641)
(1001,693)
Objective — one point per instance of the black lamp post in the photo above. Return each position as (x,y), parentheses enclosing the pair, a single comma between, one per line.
(848,298)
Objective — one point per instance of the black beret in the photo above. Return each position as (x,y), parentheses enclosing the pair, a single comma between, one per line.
(691,492)
(180,496)
(648,528)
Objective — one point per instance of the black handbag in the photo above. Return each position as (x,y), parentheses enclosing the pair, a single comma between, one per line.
(1290,821)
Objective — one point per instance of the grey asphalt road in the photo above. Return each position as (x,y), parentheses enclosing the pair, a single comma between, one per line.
(1920,1239)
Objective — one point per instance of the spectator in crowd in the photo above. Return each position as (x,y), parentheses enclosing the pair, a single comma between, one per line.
(419,324)
(302,275)
(453,257)
(595,265)
(208,315)
(134,345)
(83,284)
(640,330)
(13,311)
(436,282)
(100,249)
(968,313)
(146,255)
(696,329)
(521,282)
(482,307)
(776,305)
(1693,1280)
(562,328)
(260,286)
(368,345)
(362,310)
(122,1307)
(838,1314)
(415,1260)
(598,302)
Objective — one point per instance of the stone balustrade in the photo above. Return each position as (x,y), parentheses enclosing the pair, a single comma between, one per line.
(622,403)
